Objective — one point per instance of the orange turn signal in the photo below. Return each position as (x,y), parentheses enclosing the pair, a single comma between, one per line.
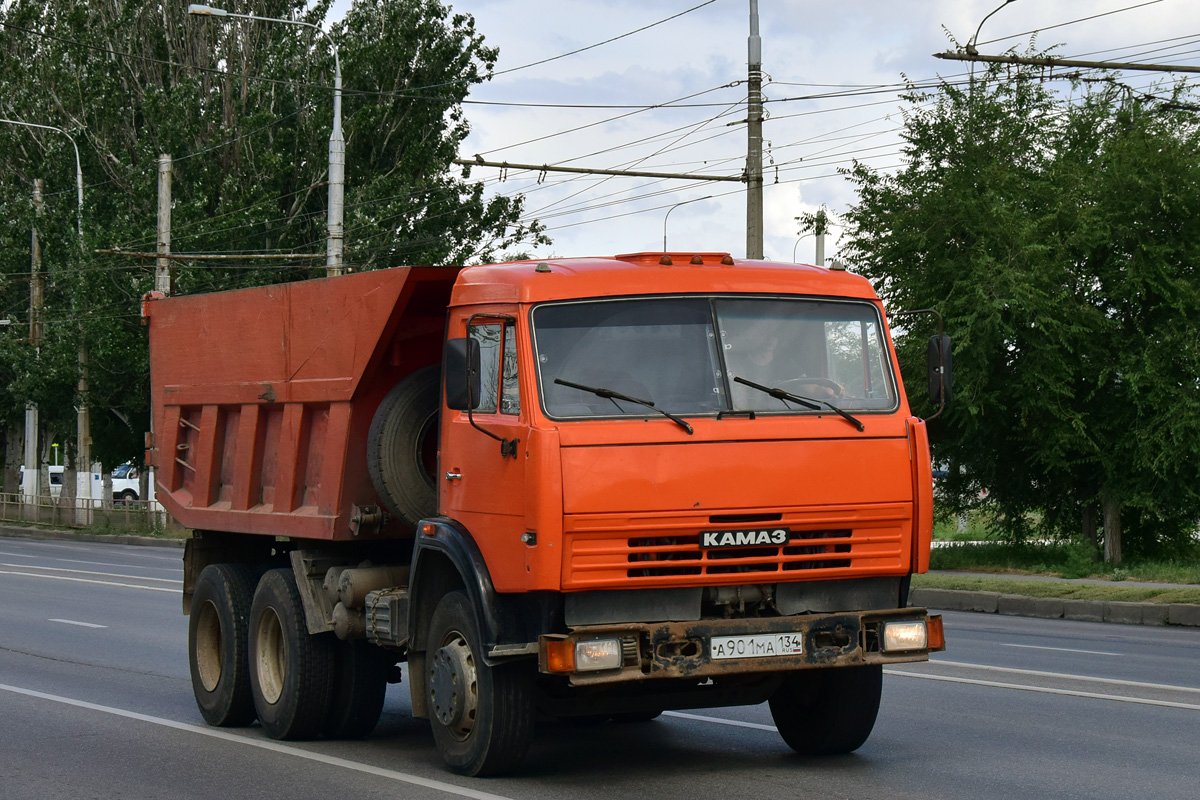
(429,529)
(937,634)
(560,656)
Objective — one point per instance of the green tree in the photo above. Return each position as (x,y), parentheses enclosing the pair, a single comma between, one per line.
(245,109)
(1053,235)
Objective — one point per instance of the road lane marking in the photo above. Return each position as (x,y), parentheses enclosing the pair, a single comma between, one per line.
(758,726)
(89,572)
(76,622)
(7,554)
(262,744)
(1045,690)
(1061,649)
(85,580)
(1067,676)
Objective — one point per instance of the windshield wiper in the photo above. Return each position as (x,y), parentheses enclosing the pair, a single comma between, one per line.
(807,402)
(609,394)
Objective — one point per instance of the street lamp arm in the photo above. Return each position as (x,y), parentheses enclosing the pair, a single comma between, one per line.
(337,144)
(78,167)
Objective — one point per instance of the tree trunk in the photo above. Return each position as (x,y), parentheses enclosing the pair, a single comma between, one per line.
(1112,529)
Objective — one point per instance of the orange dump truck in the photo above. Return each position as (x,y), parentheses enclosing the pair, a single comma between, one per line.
(598,487)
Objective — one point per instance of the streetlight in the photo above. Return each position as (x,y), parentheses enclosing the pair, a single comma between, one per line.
(78,169)
(974,40)
(672,208)
(83,417)
(337,145)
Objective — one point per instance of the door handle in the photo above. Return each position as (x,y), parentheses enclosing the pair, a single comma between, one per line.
(453,476)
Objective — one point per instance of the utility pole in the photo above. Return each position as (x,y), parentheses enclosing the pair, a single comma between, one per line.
(164,280)
(36,299)
(754,108)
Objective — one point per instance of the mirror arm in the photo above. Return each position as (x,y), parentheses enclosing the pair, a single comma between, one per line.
(508,447)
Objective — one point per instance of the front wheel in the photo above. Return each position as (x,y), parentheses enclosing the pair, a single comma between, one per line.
(822,712)
(482,716)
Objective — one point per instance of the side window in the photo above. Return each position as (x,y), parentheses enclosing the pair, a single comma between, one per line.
(510,396)
(498,368)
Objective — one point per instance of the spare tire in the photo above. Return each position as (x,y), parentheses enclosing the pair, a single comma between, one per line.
(402,446)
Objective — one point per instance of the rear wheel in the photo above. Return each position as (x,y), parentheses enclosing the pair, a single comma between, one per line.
(217,629)
(359,685)
(828,711)
(482,716)
(291,671)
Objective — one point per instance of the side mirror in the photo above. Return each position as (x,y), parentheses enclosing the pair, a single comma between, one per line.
(940,363)
(461,370)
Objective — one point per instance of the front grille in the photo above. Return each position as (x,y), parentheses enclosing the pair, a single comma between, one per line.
(603,552)
(681,555)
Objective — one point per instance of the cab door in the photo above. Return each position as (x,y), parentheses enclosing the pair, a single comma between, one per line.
(483,453)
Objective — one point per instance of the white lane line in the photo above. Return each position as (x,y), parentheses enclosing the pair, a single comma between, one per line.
(734,722)
(1044,690)
(263,744)
(1061,649)
(84,580)
(7,554)
(1066,676)
(89,572)
(76,622)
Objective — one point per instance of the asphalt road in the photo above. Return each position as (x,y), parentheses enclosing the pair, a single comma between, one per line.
(95,702)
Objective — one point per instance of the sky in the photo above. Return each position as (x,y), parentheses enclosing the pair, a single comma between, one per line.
(861,48)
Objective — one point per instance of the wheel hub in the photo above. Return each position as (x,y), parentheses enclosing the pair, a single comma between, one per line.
(453,686)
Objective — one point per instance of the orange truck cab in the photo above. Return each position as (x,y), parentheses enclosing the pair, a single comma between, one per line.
(600,487)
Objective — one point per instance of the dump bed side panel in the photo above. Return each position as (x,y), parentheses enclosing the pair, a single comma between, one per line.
(262,397)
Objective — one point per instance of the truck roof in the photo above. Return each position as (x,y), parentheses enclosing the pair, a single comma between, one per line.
(648,273)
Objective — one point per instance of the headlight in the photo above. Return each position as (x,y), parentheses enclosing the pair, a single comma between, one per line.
(597,654)
(902,636)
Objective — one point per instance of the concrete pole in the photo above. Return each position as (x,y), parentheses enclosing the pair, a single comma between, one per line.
(754,181)
(29,484)
(164,279)
(821,249)
(337,176)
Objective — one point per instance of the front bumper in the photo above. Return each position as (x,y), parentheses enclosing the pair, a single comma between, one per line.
(672,650)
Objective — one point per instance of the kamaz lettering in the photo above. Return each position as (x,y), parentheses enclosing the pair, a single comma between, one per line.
(711,539)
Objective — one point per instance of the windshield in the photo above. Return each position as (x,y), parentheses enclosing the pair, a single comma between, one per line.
(686,354)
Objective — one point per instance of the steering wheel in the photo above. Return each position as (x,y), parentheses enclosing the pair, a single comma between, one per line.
(825,383)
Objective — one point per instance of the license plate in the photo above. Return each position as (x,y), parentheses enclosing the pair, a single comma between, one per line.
(759,645)
(758,537)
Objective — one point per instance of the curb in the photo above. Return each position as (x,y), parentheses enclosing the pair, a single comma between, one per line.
(72,536)
(1180,614)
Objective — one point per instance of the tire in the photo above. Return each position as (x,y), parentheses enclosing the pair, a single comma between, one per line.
(127,496)
(217,640)
(482,716)
(821,712)
(359,684)
(402,446)
(291,671)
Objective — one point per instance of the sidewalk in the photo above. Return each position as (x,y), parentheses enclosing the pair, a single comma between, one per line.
(1055,607)
(12,531)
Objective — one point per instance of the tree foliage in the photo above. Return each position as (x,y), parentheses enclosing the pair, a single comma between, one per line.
(245,109)
(1057,235)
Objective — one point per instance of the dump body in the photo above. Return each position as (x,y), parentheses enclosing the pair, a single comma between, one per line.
(262,397)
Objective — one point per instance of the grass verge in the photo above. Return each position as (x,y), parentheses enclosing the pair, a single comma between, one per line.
(1130,593)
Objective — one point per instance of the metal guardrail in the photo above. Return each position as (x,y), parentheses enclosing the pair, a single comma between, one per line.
(125,515)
